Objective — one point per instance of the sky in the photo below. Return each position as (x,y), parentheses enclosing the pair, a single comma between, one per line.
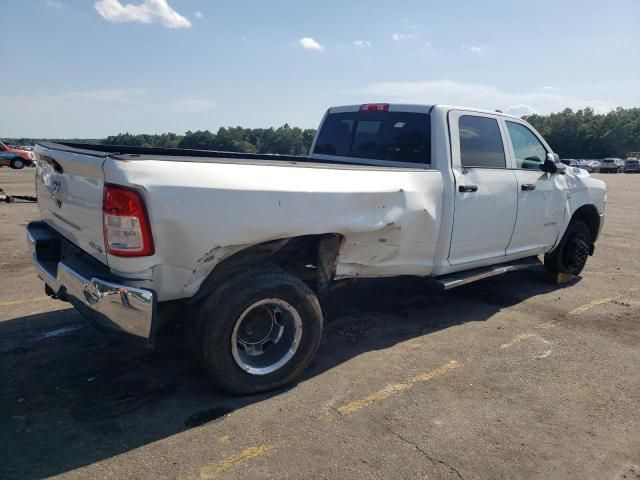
(89,69)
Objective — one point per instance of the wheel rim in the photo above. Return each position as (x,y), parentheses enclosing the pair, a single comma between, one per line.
(266,336)
(577,252)
(18,163)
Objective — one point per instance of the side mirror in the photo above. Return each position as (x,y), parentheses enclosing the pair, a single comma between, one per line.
(552,164)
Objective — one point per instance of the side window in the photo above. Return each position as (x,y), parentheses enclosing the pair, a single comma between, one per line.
(481,142)
(528,150)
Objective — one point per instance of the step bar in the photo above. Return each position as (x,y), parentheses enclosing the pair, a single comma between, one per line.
(462,278)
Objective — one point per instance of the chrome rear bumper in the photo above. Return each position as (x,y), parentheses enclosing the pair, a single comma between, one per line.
(109,303)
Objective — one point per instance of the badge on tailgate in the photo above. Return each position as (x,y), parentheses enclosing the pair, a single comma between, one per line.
(55,193)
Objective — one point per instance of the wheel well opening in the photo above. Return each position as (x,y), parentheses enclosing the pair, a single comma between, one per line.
(311,258)
(589,215)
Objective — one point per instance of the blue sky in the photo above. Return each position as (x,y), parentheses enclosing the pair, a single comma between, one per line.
(85,68)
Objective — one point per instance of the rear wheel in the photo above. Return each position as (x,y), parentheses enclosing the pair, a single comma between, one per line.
(17,163)
(258,331)
(571,255)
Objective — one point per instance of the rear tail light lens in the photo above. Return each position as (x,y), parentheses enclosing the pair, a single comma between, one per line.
(127,232)
(374,107)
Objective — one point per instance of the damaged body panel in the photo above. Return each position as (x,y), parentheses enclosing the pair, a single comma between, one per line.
(387,217)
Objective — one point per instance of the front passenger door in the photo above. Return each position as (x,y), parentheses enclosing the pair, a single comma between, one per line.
(541,196)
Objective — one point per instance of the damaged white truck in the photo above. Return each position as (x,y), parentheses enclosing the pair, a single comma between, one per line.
(241,246)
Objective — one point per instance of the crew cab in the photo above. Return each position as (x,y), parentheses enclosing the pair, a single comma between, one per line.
(241,247)
(16,158)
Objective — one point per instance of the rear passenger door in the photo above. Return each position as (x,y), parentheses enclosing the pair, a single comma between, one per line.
(485,189)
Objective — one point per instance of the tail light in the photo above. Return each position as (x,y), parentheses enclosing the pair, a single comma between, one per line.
(374,107)
(127,232)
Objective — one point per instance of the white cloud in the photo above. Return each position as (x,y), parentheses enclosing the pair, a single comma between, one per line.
(52,4)
(309,43)
(199,15)
(475,48)
(478,95)
(547,88)
(427,45)
(403,36)
(362,43)
(519,110)
(149,11)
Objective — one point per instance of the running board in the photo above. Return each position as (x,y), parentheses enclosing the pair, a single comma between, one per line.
(462,278)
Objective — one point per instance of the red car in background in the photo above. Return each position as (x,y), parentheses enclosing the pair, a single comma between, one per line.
(22,157)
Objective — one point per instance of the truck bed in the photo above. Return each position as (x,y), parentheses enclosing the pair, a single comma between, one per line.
(121,152)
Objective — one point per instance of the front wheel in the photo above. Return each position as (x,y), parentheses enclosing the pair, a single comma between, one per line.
(571,255)
(17,163)
(258,331)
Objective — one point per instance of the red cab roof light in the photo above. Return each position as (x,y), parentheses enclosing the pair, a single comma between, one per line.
(374,107)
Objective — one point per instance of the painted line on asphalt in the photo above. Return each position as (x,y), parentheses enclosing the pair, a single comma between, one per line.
(209,472)
(517,339)
(20,302)
(588,306)
(572,313)
(397,388)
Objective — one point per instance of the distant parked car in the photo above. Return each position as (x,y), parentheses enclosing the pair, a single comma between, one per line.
(632,166)
(11,160)
(612,165)
(22,157)
(567,161)
(586,165)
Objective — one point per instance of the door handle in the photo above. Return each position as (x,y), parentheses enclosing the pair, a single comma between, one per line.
(527,187)
(467,188)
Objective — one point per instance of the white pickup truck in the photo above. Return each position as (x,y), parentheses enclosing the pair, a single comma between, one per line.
(241,246)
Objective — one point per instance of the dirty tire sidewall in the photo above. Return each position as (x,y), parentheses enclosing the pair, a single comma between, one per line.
(196,323)
(560,261)
(221,317)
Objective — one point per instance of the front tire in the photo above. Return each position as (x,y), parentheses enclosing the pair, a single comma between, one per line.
(17,163)
(258,331)
(571,255)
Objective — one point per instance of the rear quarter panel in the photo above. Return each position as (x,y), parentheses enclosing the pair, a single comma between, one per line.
(201,213)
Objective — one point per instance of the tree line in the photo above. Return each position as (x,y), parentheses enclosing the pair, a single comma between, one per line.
(283,140)
(579,134)
(585,134)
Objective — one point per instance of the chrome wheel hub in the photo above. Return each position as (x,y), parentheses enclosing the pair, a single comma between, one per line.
(266,336)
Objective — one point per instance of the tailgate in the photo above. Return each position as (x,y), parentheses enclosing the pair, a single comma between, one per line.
(69,186)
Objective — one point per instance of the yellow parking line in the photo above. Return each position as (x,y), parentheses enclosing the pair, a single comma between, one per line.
(547,325)
(209,472)
(26,300)
(590,305)
(397,388)
(517,339)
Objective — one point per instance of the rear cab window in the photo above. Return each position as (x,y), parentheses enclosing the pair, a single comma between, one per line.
(399,137)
